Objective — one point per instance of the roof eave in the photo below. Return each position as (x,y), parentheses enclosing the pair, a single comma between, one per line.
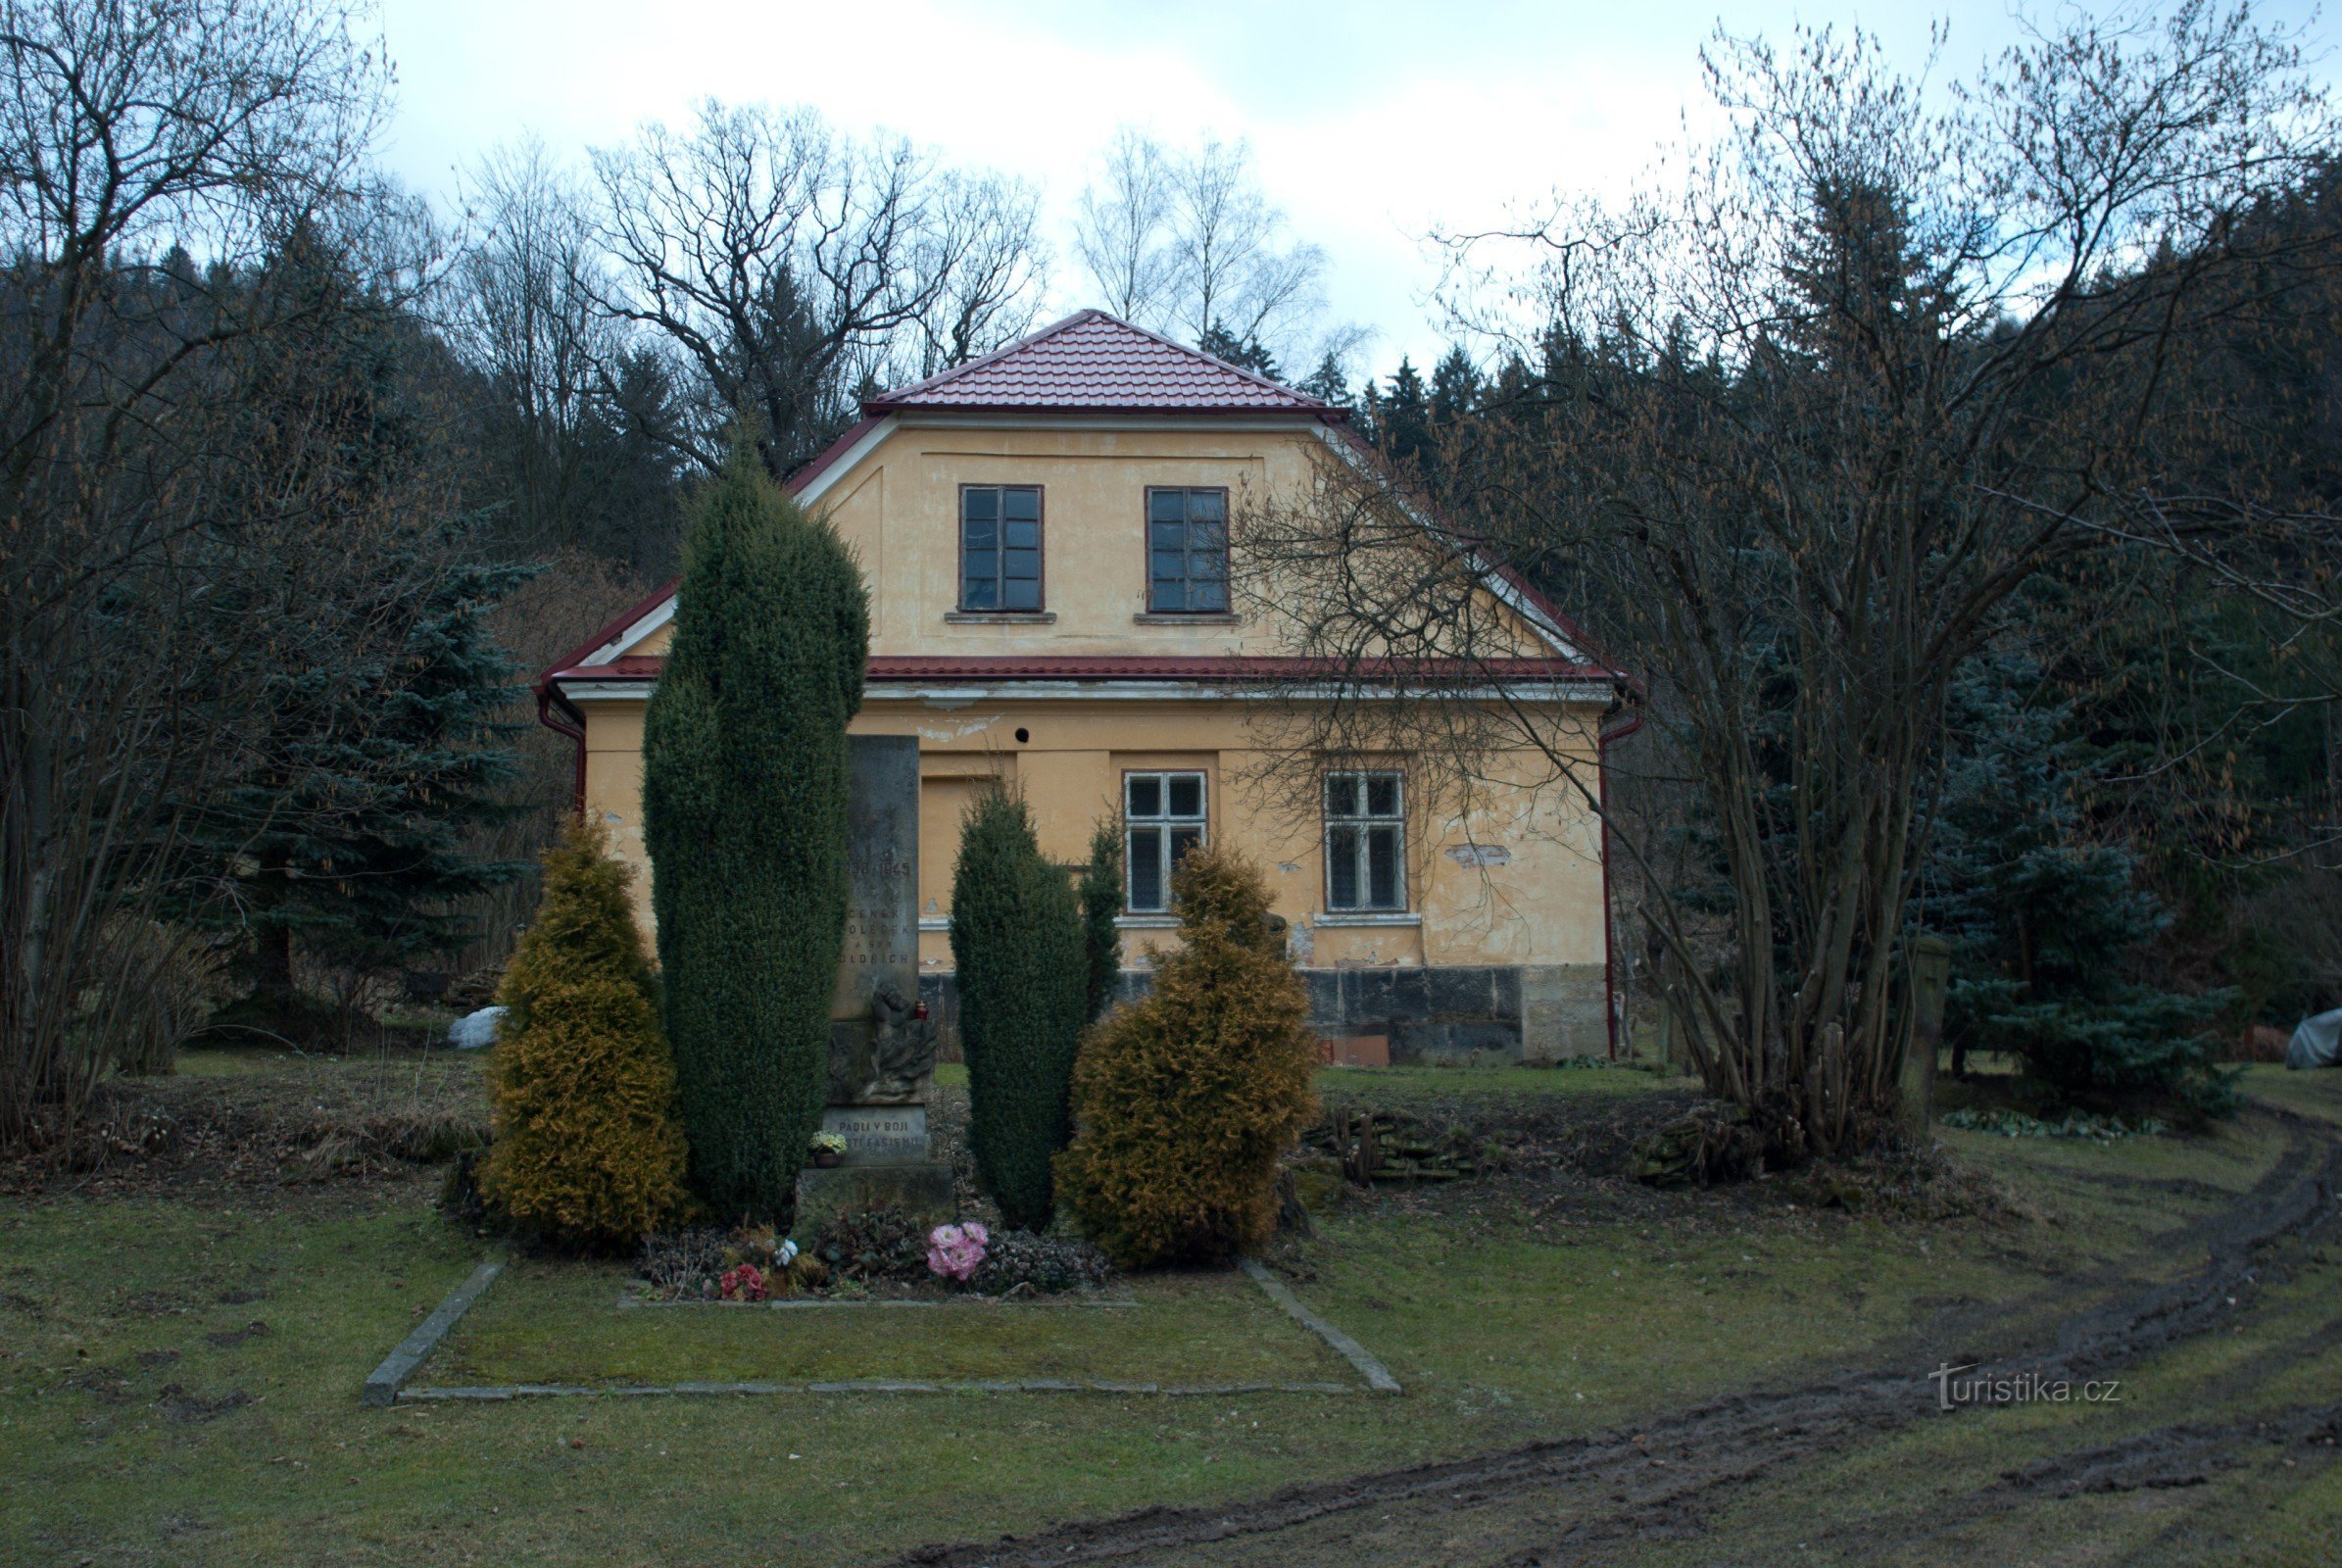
(878,407)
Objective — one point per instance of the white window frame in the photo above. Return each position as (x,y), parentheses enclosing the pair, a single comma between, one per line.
(1360,821)
(1162,824)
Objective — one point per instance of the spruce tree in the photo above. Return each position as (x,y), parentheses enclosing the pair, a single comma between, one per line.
(378,748)
(1245,352)
(2047,925)
(1101,906)
(745,787)
(1456,388)
(1017,947)
(1403,427)
(1326,383)
(587,1148)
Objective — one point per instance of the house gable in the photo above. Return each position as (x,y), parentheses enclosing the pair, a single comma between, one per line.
(1091,416)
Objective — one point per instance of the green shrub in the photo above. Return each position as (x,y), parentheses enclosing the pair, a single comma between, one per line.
(1101,906)
(745,787)
(586,1147)
(1187,1100)
(1016,947)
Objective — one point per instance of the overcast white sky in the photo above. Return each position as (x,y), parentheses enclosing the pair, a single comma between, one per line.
(1369,121)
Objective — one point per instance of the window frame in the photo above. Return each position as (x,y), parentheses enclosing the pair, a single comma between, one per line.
(1359,822)
(1162,824)
(1147,547)
(960,527)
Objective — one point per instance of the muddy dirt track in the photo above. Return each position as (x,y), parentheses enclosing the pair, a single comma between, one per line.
(1582,1499)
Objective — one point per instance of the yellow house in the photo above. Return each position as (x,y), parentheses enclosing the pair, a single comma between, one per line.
(1045,535)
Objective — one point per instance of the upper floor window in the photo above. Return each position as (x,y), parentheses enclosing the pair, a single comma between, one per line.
(999,547)
(1365,842)
(1163,815)
(1186,551)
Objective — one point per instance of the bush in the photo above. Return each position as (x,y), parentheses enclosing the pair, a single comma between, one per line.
(684,1263)
(873,1244)
(1187,1100)
(1019,1260)
(1016,945)
(586,1145)
(745,787)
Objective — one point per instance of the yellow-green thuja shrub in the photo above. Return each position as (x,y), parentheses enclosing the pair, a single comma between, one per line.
(1186,1102)
(586,1148)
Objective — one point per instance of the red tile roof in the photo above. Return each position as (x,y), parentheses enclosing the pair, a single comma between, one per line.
(1098,363)
(1206,667)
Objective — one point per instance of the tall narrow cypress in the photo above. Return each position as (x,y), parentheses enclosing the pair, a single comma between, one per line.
(745,787)
(1102,905)
(1018,950)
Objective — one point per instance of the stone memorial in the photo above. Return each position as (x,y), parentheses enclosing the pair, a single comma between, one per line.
(882,1042)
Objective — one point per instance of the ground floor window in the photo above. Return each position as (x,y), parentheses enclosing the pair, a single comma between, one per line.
(1164,817)
(1365,842)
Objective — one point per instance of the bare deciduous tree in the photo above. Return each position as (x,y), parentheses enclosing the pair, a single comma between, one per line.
(785,265)
(1187,243)
(1808,421)
(218,126)
(1119,228)
(577,419)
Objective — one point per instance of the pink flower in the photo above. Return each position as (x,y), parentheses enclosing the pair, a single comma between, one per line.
(954,1251)
(744,1283)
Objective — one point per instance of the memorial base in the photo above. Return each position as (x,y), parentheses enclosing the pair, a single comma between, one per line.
(921,1190)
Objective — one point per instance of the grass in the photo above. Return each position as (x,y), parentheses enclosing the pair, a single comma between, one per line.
(545,1323)
(1410,1085)
(1938,1493)
(144,1419)
(272,1078)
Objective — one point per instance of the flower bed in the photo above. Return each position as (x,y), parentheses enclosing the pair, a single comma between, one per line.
(870,1255)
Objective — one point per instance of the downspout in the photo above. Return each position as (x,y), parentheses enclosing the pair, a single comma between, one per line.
(1610,1012)
(548,694)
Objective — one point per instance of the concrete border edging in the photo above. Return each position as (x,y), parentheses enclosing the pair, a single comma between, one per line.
(383,1385)
(1378,1376)
(504,1394)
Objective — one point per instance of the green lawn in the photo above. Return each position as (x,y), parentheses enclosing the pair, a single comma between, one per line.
(559,1323)
(144,1418)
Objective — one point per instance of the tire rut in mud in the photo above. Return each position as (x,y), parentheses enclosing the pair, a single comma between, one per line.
(1559,1502)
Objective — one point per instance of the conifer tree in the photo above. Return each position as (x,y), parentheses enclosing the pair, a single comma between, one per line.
(744,789)
(2046,924)
(1326,383)
(586,1148)
(1017,949)
(377,747)
(1404,429)
(1456,388)
(1187,1100)
(1102,905)
(1244,352)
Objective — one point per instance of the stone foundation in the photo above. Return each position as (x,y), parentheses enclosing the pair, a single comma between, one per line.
(1534,1014)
